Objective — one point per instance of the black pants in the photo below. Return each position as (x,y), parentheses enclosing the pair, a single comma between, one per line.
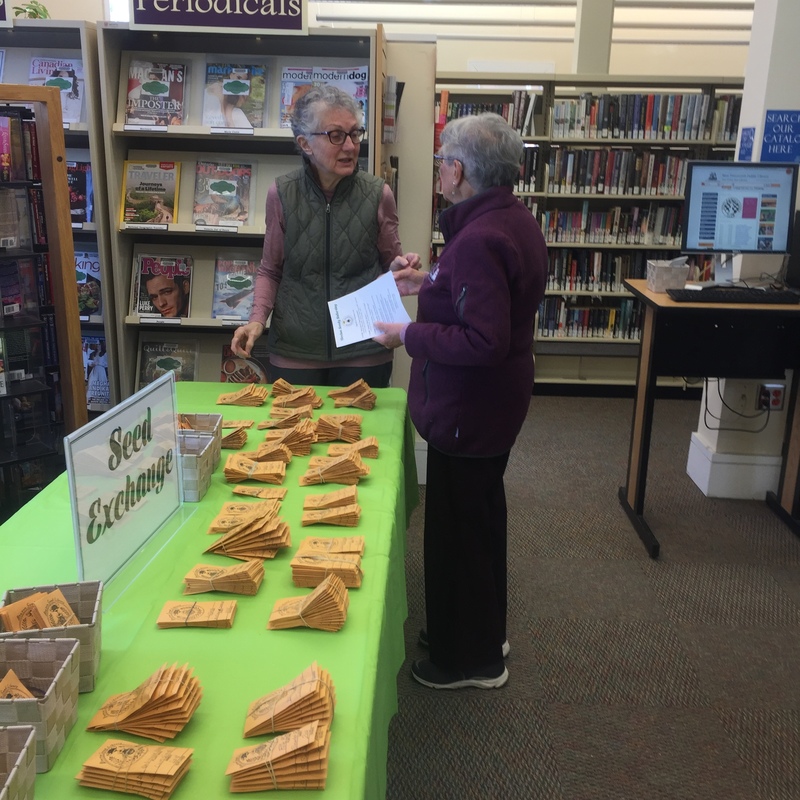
(466,595)
(377,377)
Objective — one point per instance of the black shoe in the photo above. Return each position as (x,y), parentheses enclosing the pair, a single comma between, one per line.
(427,673)
(422,641)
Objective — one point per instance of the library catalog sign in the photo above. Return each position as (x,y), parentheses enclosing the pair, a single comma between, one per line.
(242,16)
(123,478)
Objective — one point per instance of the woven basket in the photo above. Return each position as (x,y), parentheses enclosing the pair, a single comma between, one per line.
(196,454)
(85,599)
(207,423)
(49,667)
(17,762)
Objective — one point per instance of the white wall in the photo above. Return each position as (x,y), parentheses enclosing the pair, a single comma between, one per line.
(92,10)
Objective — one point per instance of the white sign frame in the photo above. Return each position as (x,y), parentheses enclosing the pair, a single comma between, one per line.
(137,439)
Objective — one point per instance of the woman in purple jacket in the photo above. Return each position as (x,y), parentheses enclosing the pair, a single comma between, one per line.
(470,387)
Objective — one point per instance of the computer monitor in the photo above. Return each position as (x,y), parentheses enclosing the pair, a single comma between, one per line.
(736,207)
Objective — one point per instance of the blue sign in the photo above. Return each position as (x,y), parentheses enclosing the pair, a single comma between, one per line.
(242,16)
(746,141)
(781,136)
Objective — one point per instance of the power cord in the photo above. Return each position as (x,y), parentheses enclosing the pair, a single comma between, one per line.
(708,415)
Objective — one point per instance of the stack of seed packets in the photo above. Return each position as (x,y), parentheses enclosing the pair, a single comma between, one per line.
(297,398)
(338,497)
(269,451)
(310,569)
(294,760)
(250,395)
(264,493)
(356,395)
(12,688)
(339,428)
(324,609)
(157,709)
(235,440)
(298,439)
(233,514)
(366,448)
(260,537)
(347,469)
(333,544)
(188,614)
(151,771)
(238,579)
(347,516)
(309,697)
(281,387)
(286,418)
(38,610)
(238,469)
(238,423)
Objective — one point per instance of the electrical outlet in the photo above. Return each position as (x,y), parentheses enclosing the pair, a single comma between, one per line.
(770,397)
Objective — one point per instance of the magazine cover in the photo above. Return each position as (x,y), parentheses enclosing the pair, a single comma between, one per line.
(155,93)
(234,284)
(3,376)
(234,96)
(81,194)
(295,82)
(95,372)
(150,192)
(162,285)
(236,369)
(87,277)
(158,358)
(66,74)
(353,80)
(221,193)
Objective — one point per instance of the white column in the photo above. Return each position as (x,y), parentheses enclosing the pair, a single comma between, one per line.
(592,51)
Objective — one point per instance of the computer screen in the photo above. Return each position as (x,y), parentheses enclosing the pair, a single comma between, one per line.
(739,207)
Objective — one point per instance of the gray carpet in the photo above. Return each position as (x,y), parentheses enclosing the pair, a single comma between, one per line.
(630,678)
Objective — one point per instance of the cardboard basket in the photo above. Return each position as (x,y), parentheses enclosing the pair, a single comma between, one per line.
(661,275)
(85,599)
(17,762)
(49,667)
(196,454)
(206,423)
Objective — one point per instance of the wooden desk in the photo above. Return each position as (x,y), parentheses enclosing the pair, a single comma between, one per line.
(733,340)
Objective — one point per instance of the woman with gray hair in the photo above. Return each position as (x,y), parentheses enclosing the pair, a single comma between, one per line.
(471,384)
(331,229)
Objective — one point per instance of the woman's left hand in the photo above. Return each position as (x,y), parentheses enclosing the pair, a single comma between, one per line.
(411,260)
(390,338)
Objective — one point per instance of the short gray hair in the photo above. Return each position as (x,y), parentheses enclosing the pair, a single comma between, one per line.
(308,109)
(488,147)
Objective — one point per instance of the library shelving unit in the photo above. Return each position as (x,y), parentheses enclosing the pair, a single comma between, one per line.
(269,150)
(35,413)
(604,177)
(30,39)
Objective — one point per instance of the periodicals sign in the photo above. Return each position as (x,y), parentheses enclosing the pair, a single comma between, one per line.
(240,16)
(123,478)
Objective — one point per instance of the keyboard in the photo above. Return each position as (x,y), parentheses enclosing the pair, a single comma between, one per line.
(734,294)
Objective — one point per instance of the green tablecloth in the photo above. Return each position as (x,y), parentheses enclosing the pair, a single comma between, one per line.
(238,665)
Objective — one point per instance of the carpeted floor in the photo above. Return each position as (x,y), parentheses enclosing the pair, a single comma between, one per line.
(674,679)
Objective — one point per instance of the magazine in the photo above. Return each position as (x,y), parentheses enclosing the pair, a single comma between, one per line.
(234,95)
(87,277)
(295,82)
(95,372)
(157,358)
(234,284)
(162,285)
(3,376)
(150,192)
(237,369)
(155,93)
(66,74)
(81,191)
(221,193)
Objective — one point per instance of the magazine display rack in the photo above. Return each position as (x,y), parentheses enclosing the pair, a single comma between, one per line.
(200,196)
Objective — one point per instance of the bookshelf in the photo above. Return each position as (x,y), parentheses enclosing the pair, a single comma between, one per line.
(35,413)
(603,173)
(64,39)
(268,148)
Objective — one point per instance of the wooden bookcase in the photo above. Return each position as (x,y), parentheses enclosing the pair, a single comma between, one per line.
(270,150)
(567,208)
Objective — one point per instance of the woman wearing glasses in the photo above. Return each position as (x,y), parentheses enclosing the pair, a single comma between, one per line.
(471,383)
(331,229)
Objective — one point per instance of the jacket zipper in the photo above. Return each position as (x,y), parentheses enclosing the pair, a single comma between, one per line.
(329,343)
(462,299)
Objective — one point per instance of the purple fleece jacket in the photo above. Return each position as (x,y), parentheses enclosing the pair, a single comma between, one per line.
(472,369)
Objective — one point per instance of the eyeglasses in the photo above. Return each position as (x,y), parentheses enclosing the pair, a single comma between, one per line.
(338,137)
(438,160)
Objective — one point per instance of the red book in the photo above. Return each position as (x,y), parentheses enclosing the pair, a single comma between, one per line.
(648,119)
(609,170)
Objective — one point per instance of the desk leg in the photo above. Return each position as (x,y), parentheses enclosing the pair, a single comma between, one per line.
(631,496)
(785,503)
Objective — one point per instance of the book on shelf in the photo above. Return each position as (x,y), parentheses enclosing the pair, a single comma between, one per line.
(87,277)
(234,96)
(95,371)
(19,294)
(296,81)
(156,358)
(221,193)
(155,93)
(81,191)
(3,376)
(10,233)
(162,285)
(234,286)
(66,75)
(12,144)
(30,141)
(150,192)
(238,369)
